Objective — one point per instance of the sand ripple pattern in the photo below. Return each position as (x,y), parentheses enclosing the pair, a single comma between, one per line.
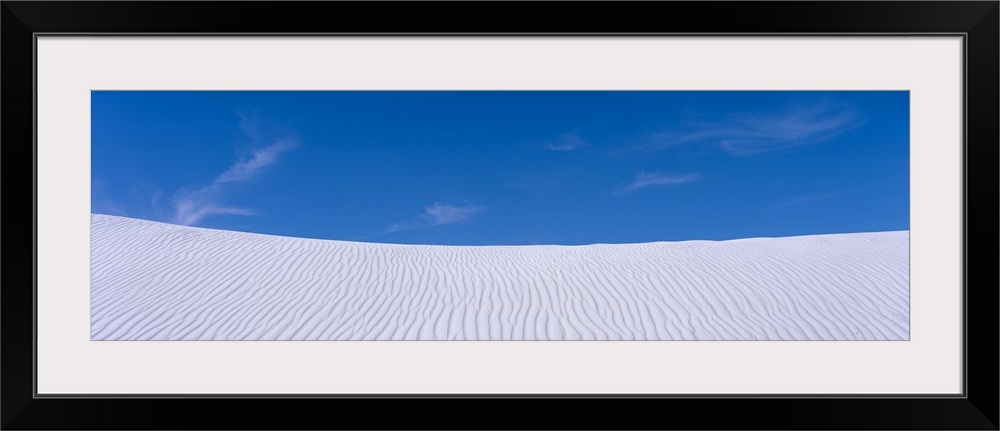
(155,281)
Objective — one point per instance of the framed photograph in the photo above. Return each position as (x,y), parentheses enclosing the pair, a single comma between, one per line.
(237,206)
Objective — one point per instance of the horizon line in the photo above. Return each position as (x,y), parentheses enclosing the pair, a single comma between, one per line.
(180,226)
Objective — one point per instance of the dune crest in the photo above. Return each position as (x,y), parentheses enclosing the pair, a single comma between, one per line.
(156,281)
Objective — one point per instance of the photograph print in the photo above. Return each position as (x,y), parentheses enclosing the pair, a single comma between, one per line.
(500,215)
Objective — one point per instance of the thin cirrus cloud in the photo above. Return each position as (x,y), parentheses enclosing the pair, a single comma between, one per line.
(192,206)
(646,179)
(567,142)
(815,197)
(435,215)
(748,134)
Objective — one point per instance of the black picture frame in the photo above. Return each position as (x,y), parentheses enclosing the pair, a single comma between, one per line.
(977,22)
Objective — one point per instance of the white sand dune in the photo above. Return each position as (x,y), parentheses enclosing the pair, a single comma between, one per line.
(156,281)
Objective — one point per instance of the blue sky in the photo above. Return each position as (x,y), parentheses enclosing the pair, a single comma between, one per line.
(506,167)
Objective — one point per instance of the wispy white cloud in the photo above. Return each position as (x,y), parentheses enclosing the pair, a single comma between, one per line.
(250,125)
(435,215)
(258,160)
(567,142)
(752,134)
(138,200)
(446,214)
(646,179)
(745,134)
(192,206)
(823,196)
(191,211)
